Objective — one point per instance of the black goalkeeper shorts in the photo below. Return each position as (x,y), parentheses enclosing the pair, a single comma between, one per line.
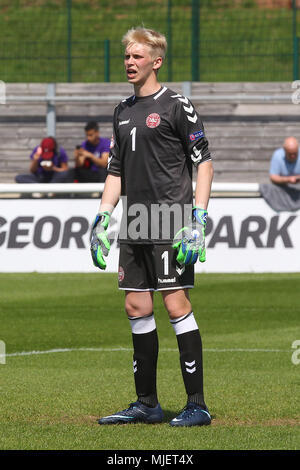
(152,267)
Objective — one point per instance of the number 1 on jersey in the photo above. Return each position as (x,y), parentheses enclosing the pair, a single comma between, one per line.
(133,134)
(165,258)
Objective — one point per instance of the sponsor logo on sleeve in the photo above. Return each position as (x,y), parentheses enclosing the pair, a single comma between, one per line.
(196,135)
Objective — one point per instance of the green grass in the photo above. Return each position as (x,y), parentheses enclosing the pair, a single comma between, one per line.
(52,401)
(238,40)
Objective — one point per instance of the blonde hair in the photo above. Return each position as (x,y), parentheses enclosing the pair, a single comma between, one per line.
(155,40)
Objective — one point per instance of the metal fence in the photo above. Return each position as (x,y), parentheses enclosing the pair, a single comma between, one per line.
(209,40)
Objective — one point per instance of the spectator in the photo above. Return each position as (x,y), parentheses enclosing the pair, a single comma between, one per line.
(49,164)
(92,156)
(285,163)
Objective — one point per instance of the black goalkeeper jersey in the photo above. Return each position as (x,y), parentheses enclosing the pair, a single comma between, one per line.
(156,140)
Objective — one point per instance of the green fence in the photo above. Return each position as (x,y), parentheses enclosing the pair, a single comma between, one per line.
(209,40)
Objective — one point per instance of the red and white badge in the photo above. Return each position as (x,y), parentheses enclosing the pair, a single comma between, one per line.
(121,274)
(153,120)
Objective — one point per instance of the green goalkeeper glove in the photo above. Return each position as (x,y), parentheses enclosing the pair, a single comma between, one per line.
(190,240)
(100,244)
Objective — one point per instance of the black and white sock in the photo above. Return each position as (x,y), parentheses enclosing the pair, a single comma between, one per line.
(145,353)
(190,349)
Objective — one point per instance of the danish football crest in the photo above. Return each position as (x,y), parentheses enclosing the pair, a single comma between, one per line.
(121,274)
(153,120)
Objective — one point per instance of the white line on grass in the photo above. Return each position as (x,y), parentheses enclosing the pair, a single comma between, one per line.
(61,350)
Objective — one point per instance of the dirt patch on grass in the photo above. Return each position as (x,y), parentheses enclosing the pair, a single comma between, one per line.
(84,419)
(89,419)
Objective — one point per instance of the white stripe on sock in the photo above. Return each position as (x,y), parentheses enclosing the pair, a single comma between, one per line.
(141,325)
(184,324)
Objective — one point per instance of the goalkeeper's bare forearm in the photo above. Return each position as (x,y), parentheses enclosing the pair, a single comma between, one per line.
(111,193)
(205,174)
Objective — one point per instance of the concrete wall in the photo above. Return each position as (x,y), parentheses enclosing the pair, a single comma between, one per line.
(242,135)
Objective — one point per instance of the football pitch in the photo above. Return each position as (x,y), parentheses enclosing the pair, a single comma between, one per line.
(69,361)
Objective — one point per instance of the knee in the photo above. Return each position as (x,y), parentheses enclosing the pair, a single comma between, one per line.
(134,308)
(130,308)
(177,308)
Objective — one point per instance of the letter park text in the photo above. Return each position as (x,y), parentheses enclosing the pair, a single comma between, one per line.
(49,231)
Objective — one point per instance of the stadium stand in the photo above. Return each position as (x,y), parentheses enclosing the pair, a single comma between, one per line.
(242,133)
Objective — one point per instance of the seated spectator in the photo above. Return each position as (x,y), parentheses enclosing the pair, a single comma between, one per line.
(91,156)
(49,164)
(285,163)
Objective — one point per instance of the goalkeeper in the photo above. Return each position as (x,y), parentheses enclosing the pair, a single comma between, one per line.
(158,137)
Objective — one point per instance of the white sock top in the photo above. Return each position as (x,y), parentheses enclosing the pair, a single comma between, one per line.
(141,325)
(184,324)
